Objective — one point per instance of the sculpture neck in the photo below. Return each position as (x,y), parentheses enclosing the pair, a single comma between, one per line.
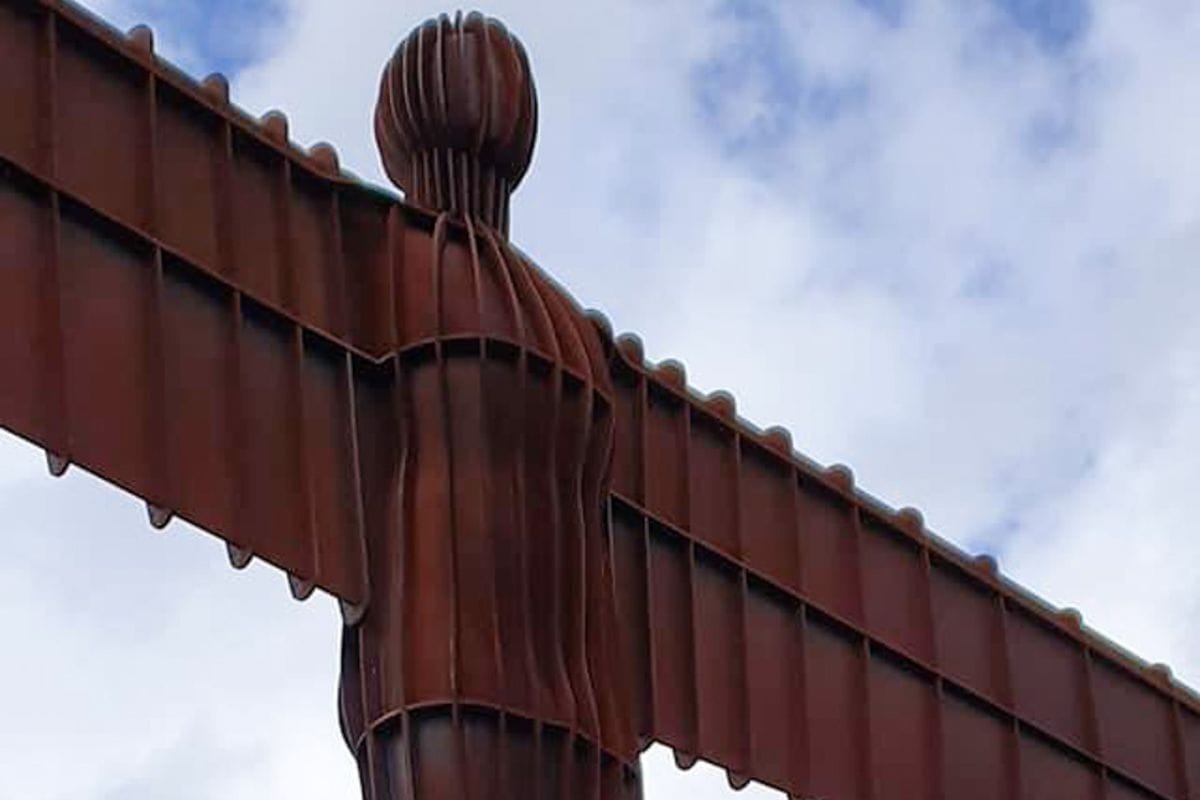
(455,181)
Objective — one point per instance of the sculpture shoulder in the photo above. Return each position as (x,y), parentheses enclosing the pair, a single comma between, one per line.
(471,282)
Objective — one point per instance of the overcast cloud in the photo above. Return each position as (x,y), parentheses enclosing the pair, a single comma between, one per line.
(952,243)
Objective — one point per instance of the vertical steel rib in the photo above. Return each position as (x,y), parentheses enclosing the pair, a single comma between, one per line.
(159,438)
(866,749)
(1180,761)
(505,270)
(738,774)
(1091,724)
(935,748)
(1008,687)
(54,381)
(302,585)
(694,712)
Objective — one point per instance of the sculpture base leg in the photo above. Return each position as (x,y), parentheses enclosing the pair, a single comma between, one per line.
(446,753)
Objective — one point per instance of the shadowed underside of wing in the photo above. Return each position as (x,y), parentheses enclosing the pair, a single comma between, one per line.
(786,627)
(178,311)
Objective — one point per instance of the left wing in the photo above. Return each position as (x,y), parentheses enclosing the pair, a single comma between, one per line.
(782,624)
(191,308)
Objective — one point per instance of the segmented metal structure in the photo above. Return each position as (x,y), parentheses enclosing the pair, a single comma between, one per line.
(549,553)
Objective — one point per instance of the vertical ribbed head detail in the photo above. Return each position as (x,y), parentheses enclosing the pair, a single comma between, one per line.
(457,117)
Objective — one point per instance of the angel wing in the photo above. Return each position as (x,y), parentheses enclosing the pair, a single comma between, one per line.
(787,627)
(193,310)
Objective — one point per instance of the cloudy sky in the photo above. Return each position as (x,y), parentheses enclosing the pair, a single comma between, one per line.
(952,243)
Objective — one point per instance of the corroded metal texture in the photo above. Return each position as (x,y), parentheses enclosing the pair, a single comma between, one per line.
(780,623)
(390,402)
(486,663)
(490,636)
(457,117)
(176,295)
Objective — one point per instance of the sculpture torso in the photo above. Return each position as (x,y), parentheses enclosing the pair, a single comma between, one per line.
(492,617)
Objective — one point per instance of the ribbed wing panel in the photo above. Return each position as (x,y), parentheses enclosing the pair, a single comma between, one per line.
(784,626)
(178,388)
(98,120)
(170,284)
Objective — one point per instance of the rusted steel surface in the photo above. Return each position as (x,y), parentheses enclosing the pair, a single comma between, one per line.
(782,624)
(549,553)
(114,132)
(488,641)
(350,374)
(457,118)
(485,665)
(173,285)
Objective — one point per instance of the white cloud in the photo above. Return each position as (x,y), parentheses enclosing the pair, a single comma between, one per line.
(974,283)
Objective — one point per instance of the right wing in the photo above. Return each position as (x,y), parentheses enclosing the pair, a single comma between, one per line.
(781,624)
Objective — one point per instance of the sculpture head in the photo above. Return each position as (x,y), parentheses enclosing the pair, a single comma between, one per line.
(457,116)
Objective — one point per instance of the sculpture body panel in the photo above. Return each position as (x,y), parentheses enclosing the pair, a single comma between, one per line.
(492,629)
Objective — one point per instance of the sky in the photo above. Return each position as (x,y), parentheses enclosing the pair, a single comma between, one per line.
(951,243)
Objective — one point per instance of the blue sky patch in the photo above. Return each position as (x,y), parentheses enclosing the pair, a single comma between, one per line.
(1054,24)
(891,12)
(757,91)
(217,35)
(987,280)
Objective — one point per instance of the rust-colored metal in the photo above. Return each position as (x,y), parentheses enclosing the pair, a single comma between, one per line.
(780,623)
(457,117)
(485,666)
(549,553)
